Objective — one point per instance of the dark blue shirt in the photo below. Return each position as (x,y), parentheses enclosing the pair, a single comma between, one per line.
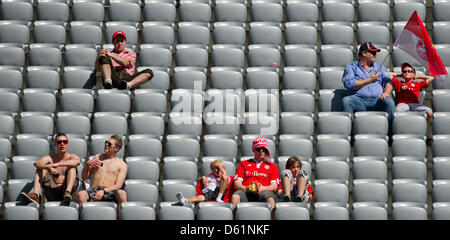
(355,71)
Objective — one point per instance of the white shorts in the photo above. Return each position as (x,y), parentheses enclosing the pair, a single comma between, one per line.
(405,107)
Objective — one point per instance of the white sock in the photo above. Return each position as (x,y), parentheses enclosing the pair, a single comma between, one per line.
(219,198)
(180,197)
(109,80)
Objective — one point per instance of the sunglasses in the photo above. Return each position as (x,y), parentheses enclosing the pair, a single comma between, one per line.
(61,142)
(407,71)
(373,53)
(260,149)
(108,143)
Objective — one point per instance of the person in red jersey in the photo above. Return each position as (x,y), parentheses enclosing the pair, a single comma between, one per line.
(259,171)
(407,93)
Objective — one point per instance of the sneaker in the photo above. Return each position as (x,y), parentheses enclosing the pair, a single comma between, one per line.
(219,200)
(30,197)
(300,198)
(180,197)
(123,85)
(107,84)
(286,198)
(67,197)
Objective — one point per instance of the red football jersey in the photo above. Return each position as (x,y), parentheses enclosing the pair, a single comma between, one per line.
(264,172)
(408,92)
(226,196)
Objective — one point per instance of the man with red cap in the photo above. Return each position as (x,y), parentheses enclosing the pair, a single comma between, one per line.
(259,171)
(117,66)
(368,83)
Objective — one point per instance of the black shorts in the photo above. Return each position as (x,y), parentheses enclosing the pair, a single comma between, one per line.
(211,195)
(107,197)
(118,76)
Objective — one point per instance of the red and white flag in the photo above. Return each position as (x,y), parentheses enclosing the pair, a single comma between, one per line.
(415,41)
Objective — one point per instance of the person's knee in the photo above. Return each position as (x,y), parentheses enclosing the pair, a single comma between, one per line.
(121,196)
(103,60)
(235,198)
(83,196)
(430,113)
(148,73)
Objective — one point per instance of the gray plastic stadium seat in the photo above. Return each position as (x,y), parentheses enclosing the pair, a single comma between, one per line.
(298,56)
(261,33)
(192,56)
(227,56)
(79,56)
(13,56)
(171,187)
(141,191)
(333,145)
(17,10)
(42,78)
(440,145)
(9,102)
(441,166)
(370,145)
(109,124)
(160,80)
(331,213)
(143,97)
(369,213)
(266,12)
(78,77)
(23,169)
(259,124)
(443,52)
(15,187)
(369,191)
(295,145)
(214,213)
(144,145)
(192,34)
(440,10)
(403,11)
(298,78)
(369,168)
(21,213)
(142,123)
(159,11)
(194,12)
(261,79)
(409,213)
(219,146)
(113,102)
(230,12)
(182,147)
(373,12)
(409,145)
(157,34)
(370,122)
(137,211)
(330,191)
(60,213)
(334,123)
(329,168)
(228,34)
(291,98)
(440,212)
(88,11)
(82,33)
(14,33)
(124,11)
(189,78)
(298,33)
(338,11)
(291,212)
(36,124)
(180,170)
(253,213)
(335,56)
(7,126)
(440,191)
(184,124)
(143,169)
(440,98)
(186,101)
(44,55)
(221,123)
(337,33)
(5,148)
(263,56)
(220,102)
(77,102)
(296,123)
(331,78)
(409,168)
(176,213)
(302,12)
(225,79)
(53,11)
(409,123)
(73,124)
(31,146)
(407,190)
(10,78)
(49,33)
(376,34)
(98,213)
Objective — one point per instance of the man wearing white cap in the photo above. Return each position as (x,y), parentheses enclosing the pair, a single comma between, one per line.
(259,171)
(117,66)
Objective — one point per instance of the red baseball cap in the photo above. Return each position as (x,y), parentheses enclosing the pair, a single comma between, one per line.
(117,33)
(405,64)
(261,142)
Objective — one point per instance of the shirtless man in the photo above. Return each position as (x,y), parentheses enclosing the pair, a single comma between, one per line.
(108,174)
(56,174)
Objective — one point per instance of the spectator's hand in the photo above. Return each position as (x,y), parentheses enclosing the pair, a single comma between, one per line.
(205,181)
(261,188)
(384,95)
(53,170)
(94,163)
(104,52)
(98,196)
(373,78)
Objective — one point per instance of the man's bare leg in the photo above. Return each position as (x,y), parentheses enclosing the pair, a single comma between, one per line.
(121,197)
(105,69)
(71,178)
(139,80)
(38,180)
(286,189)
(223,182)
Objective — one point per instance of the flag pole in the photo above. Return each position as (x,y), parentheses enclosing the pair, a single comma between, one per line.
(382,63)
